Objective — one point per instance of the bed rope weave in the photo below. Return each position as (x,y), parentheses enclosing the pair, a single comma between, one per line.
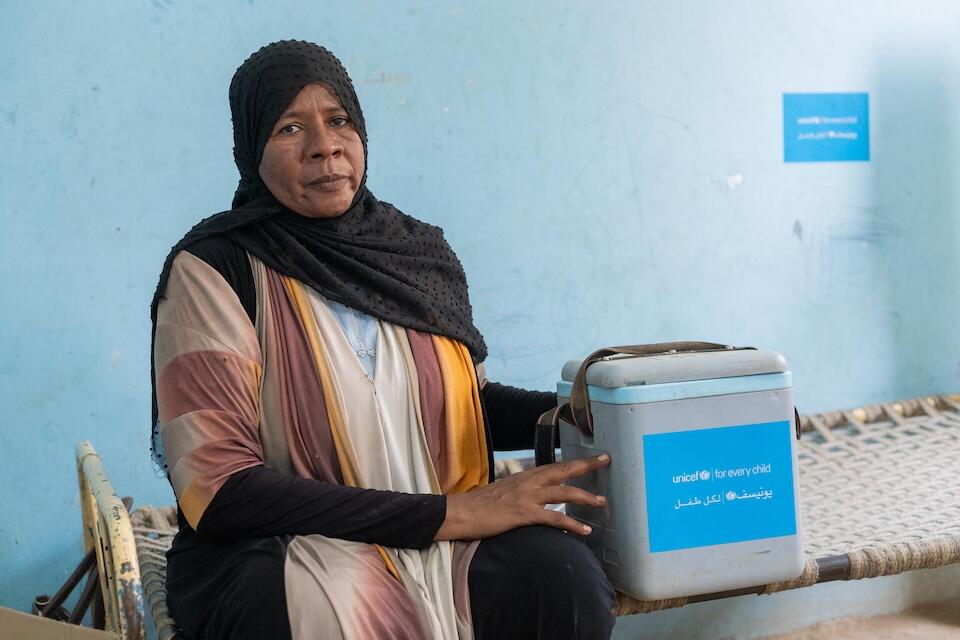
(879,496)
(153,531)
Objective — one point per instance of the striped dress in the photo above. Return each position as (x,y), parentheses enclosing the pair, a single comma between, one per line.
(290,394)
(260,397)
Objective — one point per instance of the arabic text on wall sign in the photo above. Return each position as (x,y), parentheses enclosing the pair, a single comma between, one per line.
(826,127)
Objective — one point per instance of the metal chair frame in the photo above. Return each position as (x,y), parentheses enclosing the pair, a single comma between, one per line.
(107,530)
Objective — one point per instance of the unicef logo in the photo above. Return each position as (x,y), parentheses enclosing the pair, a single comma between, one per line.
(731,495)
(693,475)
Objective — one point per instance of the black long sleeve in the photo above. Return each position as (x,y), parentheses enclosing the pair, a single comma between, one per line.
(512,414)
(260,502)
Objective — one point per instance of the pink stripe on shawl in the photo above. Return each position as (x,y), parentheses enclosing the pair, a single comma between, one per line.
(310,443)
(209,380)
(336,583)
(431,398)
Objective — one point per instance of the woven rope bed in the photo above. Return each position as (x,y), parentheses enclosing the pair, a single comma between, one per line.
(880,495)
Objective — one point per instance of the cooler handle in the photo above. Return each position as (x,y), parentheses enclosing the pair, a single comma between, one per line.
(577,410)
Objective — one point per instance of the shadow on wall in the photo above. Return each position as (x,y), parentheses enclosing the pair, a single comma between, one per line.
(914,105)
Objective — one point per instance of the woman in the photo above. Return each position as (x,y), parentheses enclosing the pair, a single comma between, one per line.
(320,416)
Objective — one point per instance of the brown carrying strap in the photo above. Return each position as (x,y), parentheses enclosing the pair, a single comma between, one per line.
(577,410)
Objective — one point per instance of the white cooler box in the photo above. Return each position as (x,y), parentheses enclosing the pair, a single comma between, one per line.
(702,487)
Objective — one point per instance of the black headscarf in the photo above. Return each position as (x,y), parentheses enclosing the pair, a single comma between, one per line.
(373,257)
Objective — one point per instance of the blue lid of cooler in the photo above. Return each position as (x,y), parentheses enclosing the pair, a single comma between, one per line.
(631,380)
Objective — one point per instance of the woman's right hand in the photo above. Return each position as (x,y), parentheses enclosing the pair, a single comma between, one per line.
(520,499)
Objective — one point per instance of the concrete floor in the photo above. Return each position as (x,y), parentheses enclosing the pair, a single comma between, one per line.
(940,621)
(872,604)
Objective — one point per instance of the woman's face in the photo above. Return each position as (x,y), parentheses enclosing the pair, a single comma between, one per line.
(313,162)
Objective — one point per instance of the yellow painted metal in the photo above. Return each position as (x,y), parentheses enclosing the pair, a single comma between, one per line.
(107,528)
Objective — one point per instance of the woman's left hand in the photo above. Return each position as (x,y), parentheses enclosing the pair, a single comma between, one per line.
(518,500)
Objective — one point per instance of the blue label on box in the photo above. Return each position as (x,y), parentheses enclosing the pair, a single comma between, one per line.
(720,485)
(825,127)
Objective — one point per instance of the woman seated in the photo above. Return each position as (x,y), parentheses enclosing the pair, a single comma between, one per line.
(322,414)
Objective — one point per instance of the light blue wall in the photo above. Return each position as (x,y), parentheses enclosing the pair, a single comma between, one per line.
(608,173)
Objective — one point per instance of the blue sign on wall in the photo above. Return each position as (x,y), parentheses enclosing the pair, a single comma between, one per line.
(714,486)
(825,127)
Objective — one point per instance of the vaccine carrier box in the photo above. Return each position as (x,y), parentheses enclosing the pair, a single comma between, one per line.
(702,486)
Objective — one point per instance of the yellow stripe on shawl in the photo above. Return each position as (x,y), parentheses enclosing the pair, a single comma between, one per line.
(467,465)
(193,502)
(345,453)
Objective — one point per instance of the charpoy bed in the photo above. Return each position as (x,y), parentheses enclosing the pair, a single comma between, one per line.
(880,495)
